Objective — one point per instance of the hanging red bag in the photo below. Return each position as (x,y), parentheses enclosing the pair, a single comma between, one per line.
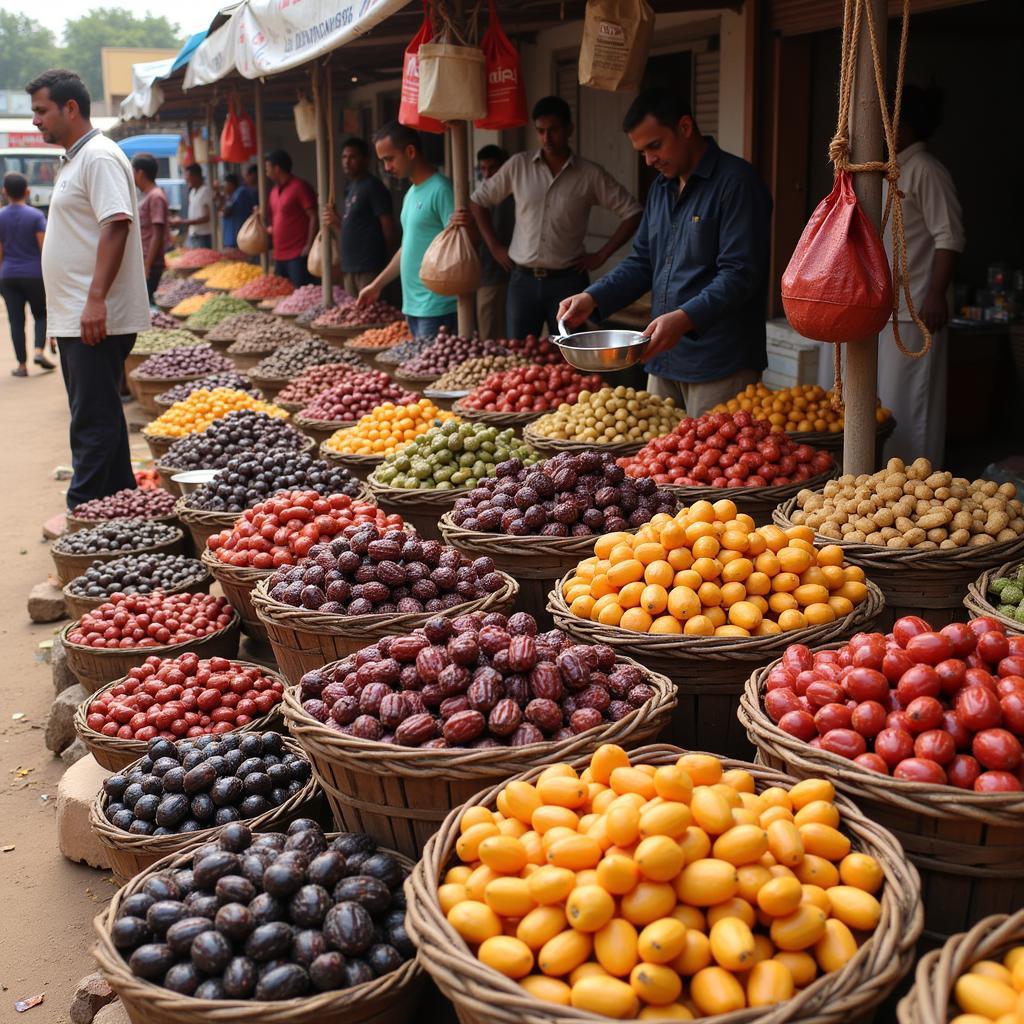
(247,133)
(506,97)
(232,149)
(408,110)
(838,285)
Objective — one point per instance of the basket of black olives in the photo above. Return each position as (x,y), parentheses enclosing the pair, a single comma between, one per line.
(183,793)
(274,928)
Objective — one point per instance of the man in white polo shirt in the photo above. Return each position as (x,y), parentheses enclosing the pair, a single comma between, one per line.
(96,300)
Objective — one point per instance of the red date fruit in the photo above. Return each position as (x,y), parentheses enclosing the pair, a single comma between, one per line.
(405,648)
(545,714)
(906,628)
(583,719)
(522,653)
(978,708)
(546,682)
(997,782)
(452,706)
(505,718)
(417,730)
(952,674)
(640,694)
(371,697)
(924,713)
(525,734)
(832,717)
(484,693)
(866,684)
(799,724)
(367,728)
(779,702)
(962,771)
(913,769)
(1012,707)
(962,638)
(844,742)
(820,693)
(894,746)
(464,727)
(935,745)
(392,710)
(463,649)
(918,681)
(997,750)
(930,648)
(872,762)
(575,672)
(993,646)
(868,718)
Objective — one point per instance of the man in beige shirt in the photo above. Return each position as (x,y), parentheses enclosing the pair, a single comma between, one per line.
(554,190)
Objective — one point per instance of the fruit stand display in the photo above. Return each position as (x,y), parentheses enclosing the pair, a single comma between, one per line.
(273,373)
(254,342)
(209,381)
(999,593)
(175,366)
(368,344)
(230,327)
(157,339)
(152,503)
(106,541)
(354,395)
(447,352)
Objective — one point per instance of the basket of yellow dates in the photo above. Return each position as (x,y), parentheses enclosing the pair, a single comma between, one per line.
(660,885)
(703,597)
(977,977)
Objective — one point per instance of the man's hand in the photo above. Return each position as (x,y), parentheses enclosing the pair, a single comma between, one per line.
(461,219)
(371,293)
(330,216)
(935,311)
(576,308)
(589,261)
(665,332)
(174,220)
(93,324)
(501,256)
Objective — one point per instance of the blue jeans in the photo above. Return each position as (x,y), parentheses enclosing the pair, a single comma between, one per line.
(534,300)
(294,269)
(427,326)
(16,292)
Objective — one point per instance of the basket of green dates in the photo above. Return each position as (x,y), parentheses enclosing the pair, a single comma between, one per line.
(999,593)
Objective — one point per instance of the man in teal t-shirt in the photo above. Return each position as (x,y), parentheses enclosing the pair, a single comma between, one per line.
(426,209)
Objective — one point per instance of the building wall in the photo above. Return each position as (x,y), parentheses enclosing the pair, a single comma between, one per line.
(117,64)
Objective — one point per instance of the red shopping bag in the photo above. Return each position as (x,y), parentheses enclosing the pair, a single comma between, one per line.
(506,97)
(247,133)
(232,148)
(838,285)
(408,110)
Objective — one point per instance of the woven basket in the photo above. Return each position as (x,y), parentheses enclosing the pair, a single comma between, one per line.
(400,795)
(966,845)
(304,640)
(710,671)
(414,382)
(74,523)
(201,524)
(393,999)
(131,361)
(516,420)
(269,386)
(114,754)
(70,567)
(360,465)
(928,583)
(346,331)
(77,606)
(129,853)
(552,446)
(833,443)
(420,509)
(319,430)
(442,399)
(246,360)
(292,407)
(930,1001)
(757,502)
(977,602)
(483,996)
(238,582)
(159,444)
(94,667)
(145,389)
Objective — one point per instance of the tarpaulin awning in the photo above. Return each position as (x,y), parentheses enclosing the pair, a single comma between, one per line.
(185,53)
(146,95)
(155,145)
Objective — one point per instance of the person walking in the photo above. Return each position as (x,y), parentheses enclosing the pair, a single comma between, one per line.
(200,210)
(701,251)
(554,189)
(492,295)
(293,218)
(95,281)
(238,202)
(154,214)
(22,229)
(426,209)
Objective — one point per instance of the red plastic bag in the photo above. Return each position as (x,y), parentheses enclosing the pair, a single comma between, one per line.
(838,285)
(506,97)
(408,110)
(232,148)
(247,133)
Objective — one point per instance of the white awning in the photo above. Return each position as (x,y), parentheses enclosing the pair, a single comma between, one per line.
(146,95)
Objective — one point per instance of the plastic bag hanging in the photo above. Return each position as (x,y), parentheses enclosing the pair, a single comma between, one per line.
(408,110)
(232,147)
(506,97)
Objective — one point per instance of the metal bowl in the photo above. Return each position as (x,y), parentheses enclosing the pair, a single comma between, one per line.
(602,351)
(193,478)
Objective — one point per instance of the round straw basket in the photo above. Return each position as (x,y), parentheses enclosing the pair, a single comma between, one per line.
(370,354)
(304,640)
(445,399)
(114,754)
(291,407)
(359,465)
(246,360)
(966,845)
(931,1001)
(977,602)
(418,382)
(319,430)
(219,343)
(420,509)
(131,361)
(833,443)
(710,671)
(400,795)
(757,502)
(145,389)
(238,582)
(483,996)
(129,853)
(334,332)
(167,482)
(516,420)
(94,667)
(394,998)
(269,386)
(77,605)
(75,523)
(70,567)
(552,446)
(928,583)
(202,524)
(159,444)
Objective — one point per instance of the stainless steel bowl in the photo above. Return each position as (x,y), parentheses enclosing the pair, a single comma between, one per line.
(602,351)
(193,478)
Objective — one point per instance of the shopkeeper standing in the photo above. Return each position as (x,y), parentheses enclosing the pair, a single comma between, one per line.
(702,251)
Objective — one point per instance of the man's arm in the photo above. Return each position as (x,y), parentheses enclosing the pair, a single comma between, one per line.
(623,233)
(389,228)
(311,226)
(371,293)
(485,197)
(610,195)
(109,254)
(935,309)
(485,225)
(940,207)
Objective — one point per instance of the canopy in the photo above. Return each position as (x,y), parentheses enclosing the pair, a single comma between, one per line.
(185,53)
(146,96)
(156,145)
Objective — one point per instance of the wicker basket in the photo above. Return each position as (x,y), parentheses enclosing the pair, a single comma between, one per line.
(77,605)
(238,582)
(145,389)
(319,430)
(246,360)
(420,509)
(304,640)
(70,567)
(400,795)
(292,407)
(928,583)
(269,386)
(833,443)
(445,400)
(344,331)
(94,667)
(483,996)
(552,446)
(75,523)
(516,420)
(392,999)
(201,524)
(114,754)
(930,1001)
(977,602)
(359,465)
(159,444)
(131,361)
(966,845)
(710,671)
(414,382)
(129,853)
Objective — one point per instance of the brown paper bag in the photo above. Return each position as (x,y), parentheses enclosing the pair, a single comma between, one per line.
(453,82)
(450,265)
(315,259)
(252,235)
(616,38)
(305,120)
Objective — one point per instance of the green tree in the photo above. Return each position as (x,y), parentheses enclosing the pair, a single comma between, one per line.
(26,48)
(87,34)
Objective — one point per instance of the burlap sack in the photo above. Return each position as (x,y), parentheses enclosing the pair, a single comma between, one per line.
(616,38)
(252,235)
(305,120)
(450,265)
(453,82)
(315,259)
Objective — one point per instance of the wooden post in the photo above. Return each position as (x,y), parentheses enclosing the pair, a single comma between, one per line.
(321,80)
(210,166)
(261,178)
(860,381)
(460,183)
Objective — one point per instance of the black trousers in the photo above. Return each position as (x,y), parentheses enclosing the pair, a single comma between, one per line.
(100,455)
(533,300)
(17,291)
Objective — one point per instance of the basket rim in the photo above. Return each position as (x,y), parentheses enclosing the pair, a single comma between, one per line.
(203,517)
(527,544)
(931,799)
(199,578)
(435,496)
(241,575)
(694,493)
(307,445)
(141,379)
(415,378)
(84,524)
(102,652)
(541,443)
(882,431)
(882,959)
(98,556)
(976,600)
(347,330)
(301,421)
(357,460)
(510,419)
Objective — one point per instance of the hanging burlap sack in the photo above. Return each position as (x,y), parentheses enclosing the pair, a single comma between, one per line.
(616,37)
(252,235)
(453,78)
(305,119)
(450,265)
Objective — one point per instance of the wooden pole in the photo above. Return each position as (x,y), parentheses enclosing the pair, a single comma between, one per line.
(261,178)
(866,143)
(321,81)
(460,185)
(210,167)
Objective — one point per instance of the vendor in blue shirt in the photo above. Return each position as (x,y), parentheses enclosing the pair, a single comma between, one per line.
(239,201)
(702,251)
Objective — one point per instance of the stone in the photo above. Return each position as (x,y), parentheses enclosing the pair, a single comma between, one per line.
(75,794)
(46,603)
(60,722)
(112,1013)
(74,752)
(63,677)
(92,994)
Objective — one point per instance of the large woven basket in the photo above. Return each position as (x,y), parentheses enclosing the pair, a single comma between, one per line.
(442,399)
(145,389)
(132,360)
(238,582)
(94,667)
(400,795)
(202,524)
(393,999)
(360,465)
(76,523)
(70,566)
(552,446)
(159,444)
(129,853)
(516,420)
(847,996)
(418,382)
(77,605)
(966,845)
(977,602)
(420,509)
(319,430)
(930,1001)
(710,671)
(833,443)
(929,583)
(304,640)
(291,407)
(114,754)
(246,360)
(269,386)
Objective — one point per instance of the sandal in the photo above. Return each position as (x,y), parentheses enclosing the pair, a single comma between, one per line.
(41,361)
(19,372)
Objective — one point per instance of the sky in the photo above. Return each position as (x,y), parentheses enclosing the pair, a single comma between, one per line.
(190,17)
